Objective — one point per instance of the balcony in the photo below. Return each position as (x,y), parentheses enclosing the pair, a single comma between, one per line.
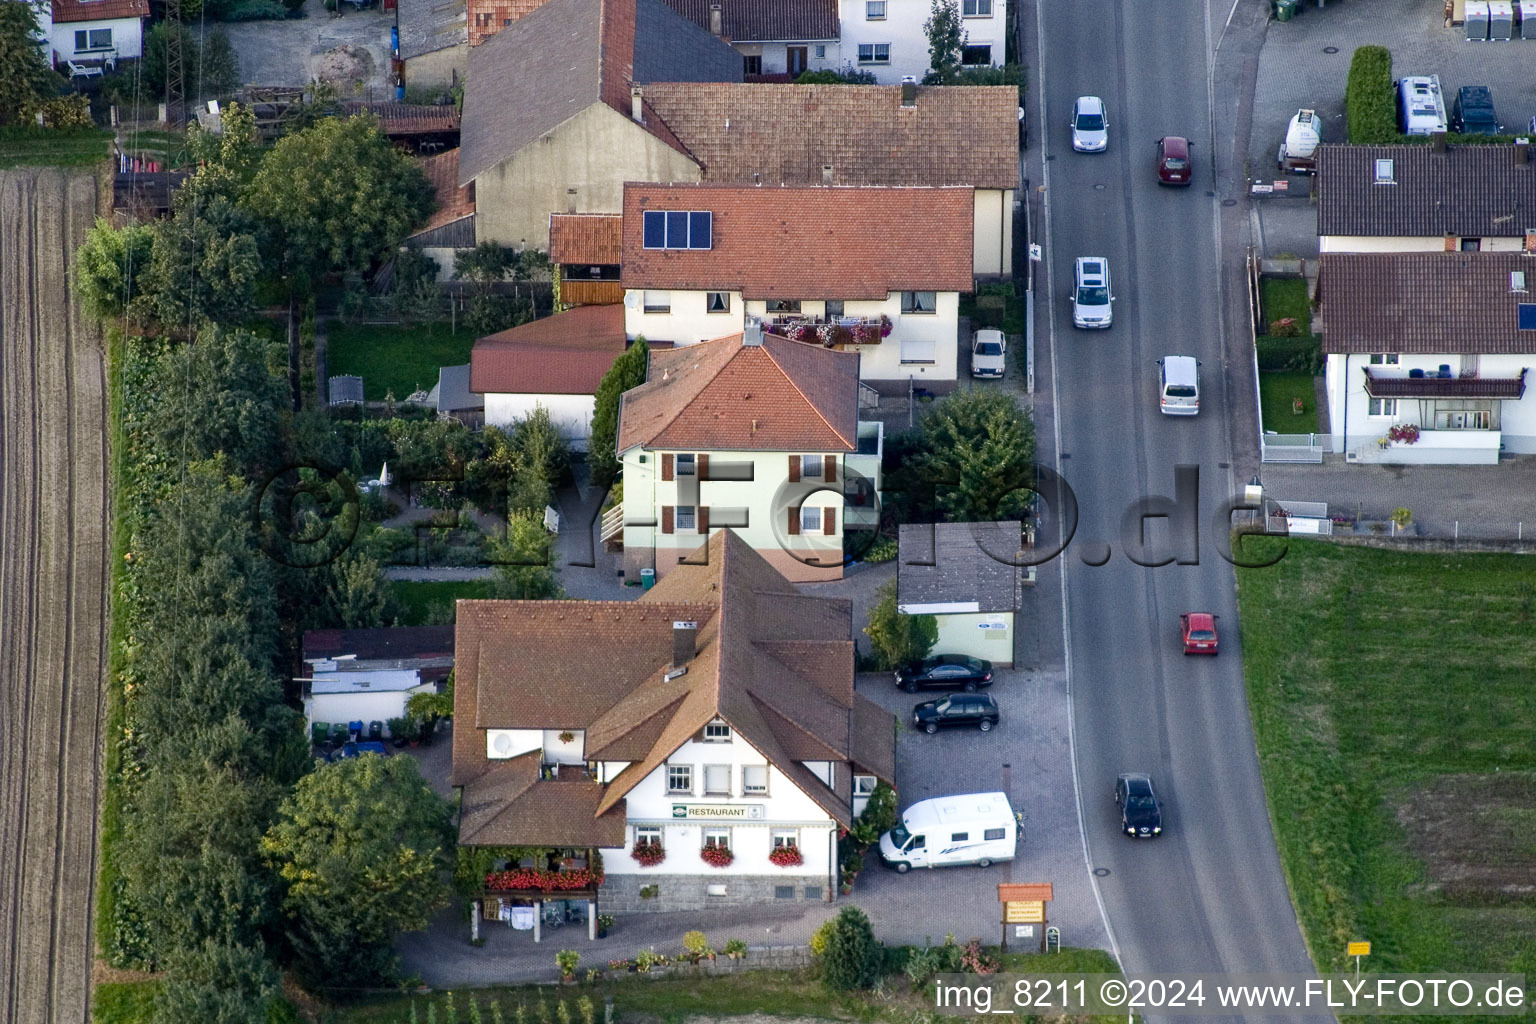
(831,332)
(862,477)
(591,293)
(1426,384)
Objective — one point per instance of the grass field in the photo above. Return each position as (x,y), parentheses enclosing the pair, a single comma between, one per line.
(1286,297)
(394,358)
(1277,389)
(419,602)
(80,147)
(1396,725)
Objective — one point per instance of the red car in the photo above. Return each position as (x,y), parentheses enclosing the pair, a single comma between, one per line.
(1173,166)
(1199,630)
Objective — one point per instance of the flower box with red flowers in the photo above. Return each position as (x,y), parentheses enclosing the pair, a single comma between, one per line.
(521,879)
(786,856)
(717,856)
(648,855)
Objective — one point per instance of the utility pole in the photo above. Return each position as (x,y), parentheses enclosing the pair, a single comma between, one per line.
(175,77)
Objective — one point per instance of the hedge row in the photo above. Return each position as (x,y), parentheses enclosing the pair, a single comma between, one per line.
(1369,103)
(1290,353)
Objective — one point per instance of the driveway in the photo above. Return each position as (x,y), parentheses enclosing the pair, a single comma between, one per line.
(352,51)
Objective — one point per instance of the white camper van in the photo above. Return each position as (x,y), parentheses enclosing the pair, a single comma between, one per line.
(976,828)
(1420,105)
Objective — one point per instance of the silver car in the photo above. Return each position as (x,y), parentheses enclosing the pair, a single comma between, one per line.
(989,353)
(1092,300)
(1090,125)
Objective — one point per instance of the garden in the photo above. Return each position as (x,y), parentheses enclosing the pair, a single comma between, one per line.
(1290,356)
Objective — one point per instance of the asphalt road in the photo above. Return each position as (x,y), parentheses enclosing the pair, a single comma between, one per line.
(1208,895)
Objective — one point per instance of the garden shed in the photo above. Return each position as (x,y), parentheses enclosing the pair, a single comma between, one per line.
(960,573)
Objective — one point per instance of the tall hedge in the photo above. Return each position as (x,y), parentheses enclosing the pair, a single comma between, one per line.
(1369,104)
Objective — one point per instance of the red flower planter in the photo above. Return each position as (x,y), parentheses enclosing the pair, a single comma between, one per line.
(786,856)
(648,855)
(544,881)
(717,856)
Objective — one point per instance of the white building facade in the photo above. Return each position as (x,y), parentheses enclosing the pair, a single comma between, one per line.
(886,37)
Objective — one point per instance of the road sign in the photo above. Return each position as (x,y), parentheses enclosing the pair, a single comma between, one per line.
(1023,931)
(1034,253)
(1021,911)
(1359,949)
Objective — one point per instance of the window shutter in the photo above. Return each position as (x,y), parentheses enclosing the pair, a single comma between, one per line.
(666,519)
(794,521)
(703,518)
(666,467)
(829,468)
(703,467)
(794,469)
(829,520)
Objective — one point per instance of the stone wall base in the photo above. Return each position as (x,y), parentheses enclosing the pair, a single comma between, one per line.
(620,894)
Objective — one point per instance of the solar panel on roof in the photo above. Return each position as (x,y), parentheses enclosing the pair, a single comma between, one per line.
(1527,316)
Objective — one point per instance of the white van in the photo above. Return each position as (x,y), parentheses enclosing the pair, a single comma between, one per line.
(1420,105)
(1178,385)
(977,828)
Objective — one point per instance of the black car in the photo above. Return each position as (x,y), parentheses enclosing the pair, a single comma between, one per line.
(1140,814)
(945,672)
(976,709)
(1473,114)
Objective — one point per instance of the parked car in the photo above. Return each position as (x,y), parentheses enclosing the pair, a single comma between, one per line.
(989,353)
(1090,125)
(978,709)
(1173,166)
(1092,300)
(1140,813)
(1199,631)
(945,672)
(1473,113)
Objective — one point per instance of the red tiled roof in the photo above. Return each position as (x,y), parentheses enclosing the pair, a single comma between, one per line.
(98,10)
(807,242)
(590,238)
(487,17)
(780,396)
(409,118)
(453,200)
(564,354)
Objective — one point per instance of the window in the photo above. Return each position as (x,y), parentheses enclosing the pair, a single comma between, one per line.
(685,518)
(717,780)
(686,465)
(810,519)
(821,51)
(783,892)
(93,39)
(783,305)
(658,302)
(679,778)
(678,229)
(1383,407)
(874,10)
(720,837)
(1384,172)
(717,302)
(754,64)
(919,302)
(864,785)
(1471,245)
(976,8)
(1383,358)
(717,732)
(834,308)
(812,892)
(914,351)
(810,465)
(875,53)
(976,55)
(994,833)
(785,838)
(647,834)
(959,837)
(754,779)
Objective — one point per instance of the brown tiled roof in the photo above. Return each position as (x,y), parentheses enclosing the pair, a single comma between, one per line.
(397,119)
(454,201)
(766,21)
(1466,191)
(1443,387)
(1425,302)
(487,17)
(564,354)
(807,242)
(604,666)
(722,395)
(590,238)
(393,642)
(98,10)
(786,134)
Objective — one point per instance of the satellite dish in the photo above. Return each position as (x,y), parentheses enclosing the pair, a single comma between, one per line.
(502,744)
(631,299)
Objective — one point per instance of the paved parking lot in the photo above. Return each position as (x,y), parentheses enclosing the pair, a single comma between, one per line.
(352,50)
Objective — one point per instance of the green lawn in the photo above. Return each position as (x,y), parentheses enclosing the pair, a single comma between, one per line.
(123,1002)
(419,601)
(1395,719)
(1286,297)
(77,147)
(1277,390)
(394,358)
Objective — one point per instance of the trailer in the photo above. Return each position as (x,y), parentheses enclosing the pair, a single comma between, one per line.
(1298,153)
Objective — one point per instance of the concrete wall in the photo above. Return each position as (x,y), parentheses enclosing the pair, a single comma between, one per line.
(127,38)
(686,323)
(572,414)
(902,28)
(993,233)
(352,707)
(595,153)
(962,634)
(1411,243)
(440,69)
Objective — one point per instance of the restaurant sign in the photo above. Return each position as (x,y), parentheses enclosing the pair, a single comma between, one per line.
(719,812)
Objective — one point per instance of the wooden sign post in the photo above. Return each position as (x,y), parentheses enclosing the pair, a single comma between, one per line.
(1024,909)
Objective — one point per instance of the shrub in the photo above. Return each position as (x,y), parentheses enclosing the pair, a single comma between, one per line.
(1369,104)
(695,942)
(1285,327)
(852,959)
(921,965)
(977,960)
(898,638)
(882,550)
(1301,354)
(820,937)
(566,960)
(735,948)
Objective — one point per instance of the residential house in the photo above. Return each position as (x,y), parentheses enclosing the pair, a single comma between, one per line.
(452,399)
(754,433)
(878,271)
(551,123)
(1427,355)
(886,37)
(434,42)
(586,250)
(451,227)
(98,31)
(556,362)
(775,37)
(367,675)
(713,717)
(968,576)
(1429,198)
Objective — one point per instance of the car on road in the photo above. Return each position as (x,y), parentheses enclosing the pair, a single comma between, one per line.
(1140,813)
(1199,632)
(945,672)
(1092,301)
(989,351)
(977,709)
(1178,385)
(1090,125)
(1173,166)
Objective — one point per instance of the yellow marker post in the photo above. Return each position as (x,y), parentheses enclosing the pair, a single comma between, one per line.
(1358,950)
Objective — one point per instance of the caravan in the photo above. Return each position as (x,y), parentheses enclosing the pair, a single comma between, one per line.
(977,828)
(1420,105)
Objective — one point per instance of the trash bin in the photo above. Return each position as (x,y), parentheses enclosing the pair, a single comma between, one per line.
(647,578)
(375,731)
(1285,9)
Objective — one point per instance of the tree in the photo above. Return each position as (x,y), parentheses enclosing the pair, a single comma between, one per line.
(25,77)
(428,708)
(235,148)
(109,265)
(626,373)
(414,295)
(217,984)
(946,38)
(538,457)
(976,457)
(363,845)
(335,197)
(899,638)
(358,594)
(522,557)
(486,265)
(853,958)
(211,66)
(222,395)
(204,265)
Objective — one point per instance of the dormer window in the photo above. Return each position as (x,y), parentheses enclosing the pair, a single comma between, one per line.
(1517,280)
(1384,172)
(717,732)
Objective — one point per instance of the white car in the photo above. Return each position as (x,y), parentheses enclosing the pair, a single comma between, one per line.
(989,353)
(1092,301)
(1090,125)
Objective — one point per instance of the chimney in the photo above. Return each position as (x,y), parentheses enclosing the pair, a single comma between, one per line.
(1437,141)
(1522,152)
(570,200)
(684,638)
(826,174)
(636,104)
(752,333)
(715,28)
(908,91)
